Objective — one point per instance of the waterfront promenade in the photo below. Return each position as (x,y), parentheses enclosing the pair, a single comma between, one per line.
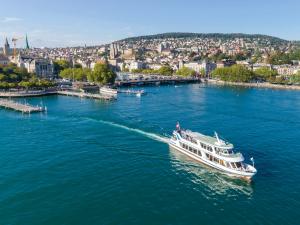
(255,85)
(24,108)
(23,94)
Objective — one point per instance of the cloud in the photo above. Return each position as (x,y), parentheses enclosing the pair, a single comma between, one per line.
(11,19)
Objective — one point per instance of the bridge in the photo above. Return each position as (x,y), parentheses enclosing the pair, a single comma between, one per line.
(127,79)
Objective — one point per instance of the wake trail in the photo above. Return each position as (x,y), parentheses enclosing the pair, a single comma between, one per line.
(146,134)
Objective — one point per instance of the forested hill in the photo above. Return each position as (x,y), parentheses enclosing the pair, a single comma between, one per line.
(205,35)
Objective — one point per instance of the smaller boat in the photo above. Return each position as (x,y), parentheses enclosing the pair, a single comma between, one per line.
(138,93)
(108,91)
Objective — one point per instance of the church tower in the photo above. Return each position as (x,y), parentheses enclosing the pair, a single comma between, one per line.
(6,49)
(26,43)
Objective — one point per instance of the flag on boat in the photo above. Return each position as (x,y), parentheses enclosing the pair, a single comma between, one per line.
(177,126)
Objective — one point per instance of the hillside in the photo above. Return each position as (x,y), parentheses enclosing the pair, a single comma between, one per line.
(224,36)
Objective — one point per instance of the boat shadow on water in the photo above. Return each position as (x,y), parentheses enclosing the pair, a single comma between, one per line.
(213,181)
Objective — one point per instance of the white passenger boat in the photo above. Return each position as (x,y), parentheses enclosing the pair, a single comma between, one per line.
(108,91)
(212,151)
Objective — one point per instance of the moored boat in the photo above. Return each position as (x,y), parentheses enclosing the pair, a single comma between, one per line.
(212,151)
(108,91)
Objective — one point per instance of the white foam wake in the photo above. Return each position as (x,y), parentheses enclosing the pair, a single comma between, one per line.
(146,134)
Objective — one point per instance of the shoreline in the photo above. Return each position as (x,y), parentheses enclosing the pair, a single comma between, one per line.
(254,85)
(23,94)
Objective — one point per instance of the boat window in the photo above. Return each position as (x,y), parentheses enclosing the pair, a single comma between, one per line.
(233,165)
(227,165)
(216,160)
(209,148)
(207,155)
(195,151)
(238,165)
(199,153)
(222,162)
(230,151)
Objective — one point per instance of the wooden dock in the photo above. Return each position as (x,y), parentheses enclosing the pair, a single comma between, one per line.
(86,95)
(24,108)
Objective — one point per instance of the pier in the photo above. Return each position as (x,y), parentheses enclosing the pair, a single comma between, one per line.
(86,95)
(22,94)
(24,108)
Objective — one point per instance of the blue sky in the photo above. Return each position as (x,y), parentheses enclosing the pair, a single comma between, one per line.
(71,23)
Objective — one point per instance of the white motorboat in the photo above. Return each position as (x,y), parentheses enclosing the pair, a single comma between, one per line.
(108,91)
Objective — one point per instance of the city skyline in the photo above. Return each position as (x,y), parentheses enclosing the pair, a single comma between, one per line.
(61,24)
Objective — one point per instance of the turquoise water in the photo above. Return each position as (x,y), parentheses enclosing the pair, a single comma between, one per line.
(92,162)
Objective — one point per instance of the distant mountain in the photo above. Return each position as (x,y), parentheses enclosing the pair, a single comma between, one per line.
(273,40)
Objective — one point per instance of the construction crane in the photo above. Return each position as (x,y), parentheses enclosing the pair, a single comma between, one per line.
(14,40)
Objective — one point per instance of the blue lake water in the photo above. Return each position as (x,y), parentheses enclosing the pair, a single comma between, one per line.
(93,162)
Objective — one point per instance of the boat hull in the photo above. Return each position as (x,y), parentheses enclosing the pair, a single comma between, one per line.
(239,174)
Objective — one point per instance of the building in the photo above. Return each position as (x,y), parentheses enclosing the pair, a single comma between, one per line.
(113,50)
(287,70)
(136,65)
(163,47)
(4,60)
(43,68)
(128,54)
(6,49)
(225,63)
(205,66)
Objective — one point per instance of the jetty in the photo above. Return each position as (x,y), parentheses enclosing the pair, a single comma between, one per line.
(24,108)
(86,95)
(23,94)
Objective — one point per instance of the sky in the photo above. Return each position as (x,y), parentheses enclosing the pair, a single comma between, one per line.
(60,23)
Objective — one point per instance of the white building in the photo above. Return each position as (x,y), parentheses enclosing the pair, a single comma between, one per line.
(200,66)
(136,65)
(43,68)
(4,60)
(287,69)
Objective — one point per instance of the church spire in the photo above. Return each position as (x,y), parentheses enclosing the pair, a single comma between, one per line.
(27,44)
(6,49)
(6,42)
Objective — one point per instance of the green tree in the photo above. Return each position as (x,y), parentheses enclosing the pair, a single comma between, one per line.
(60,65)
(295,79)
(185,71)
(102,74)
(235,73)
(165,70)
(265,73)
(3,77)
(67,73)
